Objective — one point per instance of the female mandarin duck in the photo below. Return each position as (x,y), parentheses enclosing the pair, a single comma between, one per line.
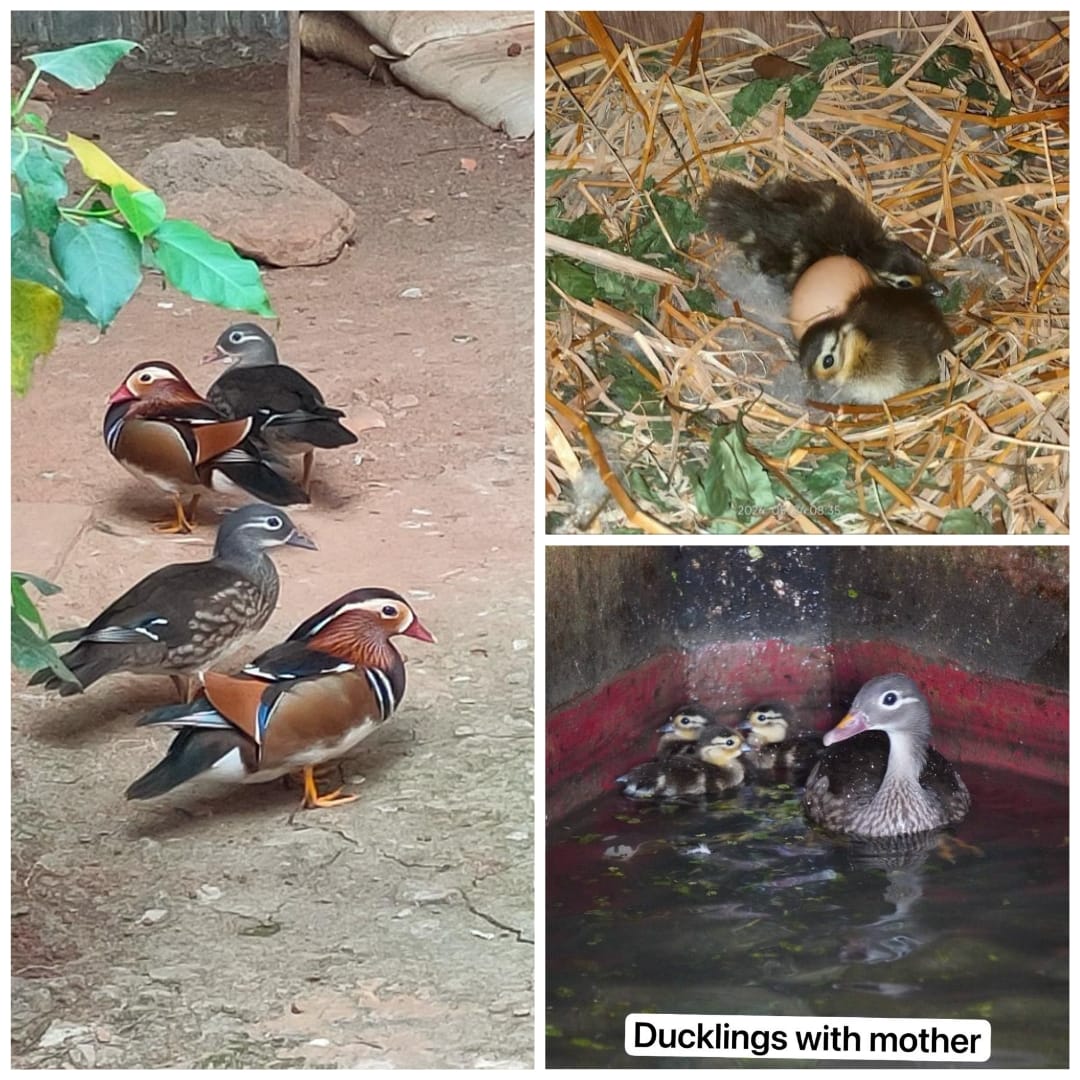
(291,414)
(681,733)
(770,747)
(185,615)
(887,780)
(161,430)
(310,700)
(713,770)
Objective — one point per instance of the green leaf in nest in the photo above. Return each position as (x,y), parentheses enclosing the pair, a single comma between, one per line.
(883,55)
(964,521)
(828,52)
(804,92)
(751,99)
(208,269)
(949,62)
(733,483)
(83,67)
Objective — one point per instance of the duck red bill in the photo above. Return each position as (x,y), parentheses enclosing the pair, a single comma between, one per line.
(121,393)
(418,630)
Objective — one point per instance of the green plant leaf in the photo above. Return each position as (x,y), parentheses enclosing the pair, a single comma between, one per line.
(143,210)
(100,263)
(208,269)
(30,648)
(804,92)
(946,64)
(83,67)
(828,52)
(884,57)
(733,484)
(35,317)
(18,214)
(751,99)
(965,521)
(39,170)
(30,262)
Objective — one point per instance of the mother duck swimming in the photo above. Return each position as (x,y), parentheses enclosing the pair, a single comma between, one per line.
(874,786)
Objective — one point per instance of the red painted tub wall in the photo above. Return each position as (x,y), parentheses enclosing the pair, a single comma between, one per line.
(977,718)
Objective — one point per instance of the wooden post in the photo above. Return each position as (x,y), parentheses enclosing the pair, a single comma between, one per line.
(292,151)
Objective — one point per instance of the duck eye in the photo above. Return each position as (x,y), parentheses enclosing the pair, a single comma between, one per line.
(889,699)
(827,361)
(274,523)
(146,377)
(905,283)
(389,610)
(236,337)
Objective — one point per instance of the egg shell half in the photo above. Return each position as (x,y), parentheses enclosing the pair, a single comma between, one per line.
(825,289)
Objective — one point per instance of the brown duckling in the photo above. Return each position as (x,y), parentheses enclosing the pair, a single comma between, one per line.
(681,733)
(887,780)
(787,225)
(885,343)
(713,770)
(770,747)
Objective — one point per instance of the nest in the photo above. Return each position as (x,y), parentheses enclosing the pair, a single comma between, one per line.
(666,409)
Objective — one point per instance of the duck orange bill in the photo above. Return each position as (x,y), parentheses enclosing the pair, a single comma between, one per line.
(121,393)
(852,724)
(418,630)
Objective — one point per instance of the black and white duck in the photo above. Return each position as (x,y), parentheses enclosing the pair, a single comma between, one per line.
(713,770)
(884,779)
(773,748)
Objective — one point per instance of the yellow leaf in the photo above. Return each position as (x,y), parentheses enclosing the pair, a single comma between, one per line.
(99,166)
(35,315)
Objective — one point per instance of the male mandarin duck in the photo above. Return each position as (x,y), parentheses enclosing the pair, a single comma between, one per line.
(884,779)
(185,615)
(888,338)
(289,410)
(714,769)
(161,430)
(681,733)
(770,747)
(304,702)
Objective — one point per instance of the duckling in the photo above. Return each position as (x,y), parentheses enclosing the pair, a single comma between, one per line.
(789,224)
(681,733)
(887,781)
(712,771)
(885,343)
(770,749)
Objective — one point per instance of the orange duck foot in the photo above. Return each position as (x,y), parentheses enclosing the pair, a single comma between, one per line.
(313,800)
(184,522)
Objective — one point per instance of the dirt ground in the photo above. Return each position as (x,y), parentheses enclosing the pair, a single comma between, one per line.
(227,930)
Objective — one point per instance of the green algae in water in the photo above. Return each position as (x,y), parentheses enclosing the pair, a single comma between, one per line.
(738,907)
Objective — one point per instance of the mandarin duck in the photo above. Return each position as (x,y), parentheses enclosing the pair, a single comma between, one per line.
(787,225)
(884,779)
(681,733)
(711,771)
(161,430)
(289,411)
(304,702)
(887,339)
(885,343)
(185,615)
(771,749)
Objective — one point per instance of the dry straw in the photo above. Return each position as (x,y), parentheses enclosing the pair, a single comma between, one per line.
(985,197)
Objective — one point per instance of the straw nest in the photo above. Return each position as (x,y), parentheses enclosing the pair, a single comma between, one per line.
(665,417)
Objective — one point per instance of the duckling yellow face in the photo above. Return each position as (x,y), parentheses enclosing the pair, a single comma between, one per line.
(686,726)
(835,355)
(721,748)
(767,723)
